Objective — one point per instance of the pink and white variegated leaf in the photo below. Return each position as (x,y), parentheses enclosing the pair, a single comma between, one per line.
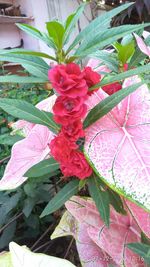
(24,127)
(47,104)
(111,241)
(141,217)
(118,144)
(143,47)
(25,154)
(90,254)
(94,64)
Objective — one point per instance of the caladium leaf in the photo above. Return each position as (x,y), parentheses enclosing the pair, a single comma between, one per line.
(110,241)
(97,65)
(23,257)
(25,154)
(118,145)
(5,259)
(30,151)
(142,218)
(143,47)
(90,254)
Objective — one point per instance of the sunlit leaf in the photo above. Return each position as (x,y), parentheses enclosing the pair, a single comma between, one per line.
(23,257)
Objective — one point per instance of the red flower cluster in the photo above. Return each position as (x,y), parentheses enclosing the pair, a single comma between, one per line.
(72,85)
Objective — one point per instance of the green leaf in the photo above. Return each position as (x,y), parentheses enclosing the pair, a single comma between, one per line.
(137,58)
(38,72)
(127,39)
(141,249)
(62,196)
(7,139)
(21,79)
(116,202)
(125,51)
(56,32)
(26,111)
(122,76)
(28,52)
(26,59)
(109,59)
(29,204)
(97,25)
(42,168)
(145,239)
(105,38)
(82,184)
(100,197)
(34,65)
(102,108)
(8,206)
(7,235)
(71,22)
(35,33)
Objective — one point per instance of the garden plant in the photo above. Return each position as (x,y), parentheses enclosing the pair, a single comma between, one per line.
(95,130)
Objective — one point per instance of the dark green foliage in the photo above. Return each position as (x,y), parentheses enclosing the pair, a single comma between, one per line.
(24,205)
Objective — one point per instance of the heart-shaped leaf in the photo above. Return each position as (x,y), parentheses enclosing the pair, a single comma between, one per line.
(5,259)
(90,254)
(25,154)
(141,217)
(109,241)
(23,257)
(143,47)
(118,145)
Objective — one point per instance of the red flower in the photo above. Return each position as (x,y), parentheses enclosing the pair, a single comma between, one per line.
(91,77)
(68,80)
(67,110)
(77,166)
(61,148)
(112,88)
(73,131)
